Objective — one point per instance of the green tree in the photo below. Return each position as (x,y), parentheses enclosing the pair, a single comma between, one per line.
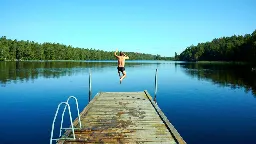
(234,48)
(30,50)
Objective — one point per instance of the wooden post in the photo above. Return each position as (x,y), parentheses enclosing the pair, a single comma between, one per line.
(90,85)
(155,85)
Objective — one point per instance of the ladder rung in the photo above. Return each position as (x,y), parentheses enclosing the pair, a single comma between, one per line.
(64,139)
(71,128)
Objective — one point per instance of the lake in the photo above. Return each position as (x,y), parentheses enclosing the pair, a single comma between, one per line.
(206,102)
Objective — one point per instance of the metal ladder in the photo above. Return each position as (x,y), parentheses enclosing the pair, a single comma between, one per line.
(70,117)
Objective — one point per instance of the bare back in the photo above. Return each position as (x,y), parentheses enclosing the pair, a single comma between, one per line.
(121,61)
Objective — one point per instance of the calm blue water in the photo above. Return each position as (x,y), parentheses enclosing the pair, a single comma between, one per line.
(207,103)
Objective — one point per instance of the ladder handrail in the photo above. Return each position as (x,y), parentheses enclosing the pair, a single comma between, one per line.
(55,119)
(65,110)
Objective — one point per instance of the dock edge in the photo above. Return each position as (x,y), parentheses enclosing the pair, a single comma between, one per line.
(167,123)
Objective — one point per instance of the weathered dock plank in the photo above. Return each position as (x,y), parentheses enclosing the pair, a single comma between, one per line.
(123,117)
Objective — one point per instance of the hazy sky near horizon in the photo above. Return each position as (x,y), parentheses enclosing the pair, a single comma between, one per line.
(150,26)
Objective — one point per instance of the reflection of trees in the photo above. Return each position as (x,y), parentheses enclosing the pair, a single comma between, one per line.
(234,76)
(24,71)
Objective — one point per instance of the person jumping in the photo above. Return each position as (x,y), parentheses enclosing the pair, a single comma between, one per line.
(121,63)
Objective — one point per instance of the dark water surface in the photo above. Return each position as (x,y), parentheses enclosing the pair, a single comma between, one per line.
(207,103)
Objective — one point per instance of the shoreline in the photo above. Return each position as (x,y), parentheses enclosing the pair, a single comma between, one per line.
(174,61)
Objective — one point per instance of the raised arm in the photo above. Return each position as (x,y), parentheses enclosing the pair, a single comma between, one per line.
(115,53)
(126,57)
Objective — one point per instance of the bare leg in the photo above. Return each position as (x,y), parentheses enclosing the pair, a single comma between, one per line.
(124,75)
(119,74)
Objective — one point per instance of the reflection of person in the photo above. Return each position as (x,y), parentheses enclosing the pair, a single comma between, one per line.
(121,64)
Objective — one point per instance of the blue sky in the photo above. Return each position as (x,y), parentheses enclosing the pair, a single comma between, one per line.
(150,26)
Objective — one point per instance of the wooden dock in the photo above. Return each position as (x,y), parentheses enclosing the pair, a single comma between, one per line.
(123,117)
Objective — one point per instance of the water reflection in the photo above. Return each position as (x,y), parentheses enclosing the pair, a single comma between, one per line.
(25,71)
(231,75)
(234,76)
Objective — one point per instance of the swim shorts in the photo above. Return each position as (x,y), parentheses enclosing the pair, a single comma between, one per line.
(121,69)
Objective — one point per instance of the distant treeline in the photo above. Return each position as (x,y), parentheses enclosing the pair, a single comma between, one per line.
(30,50)
(234,48)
